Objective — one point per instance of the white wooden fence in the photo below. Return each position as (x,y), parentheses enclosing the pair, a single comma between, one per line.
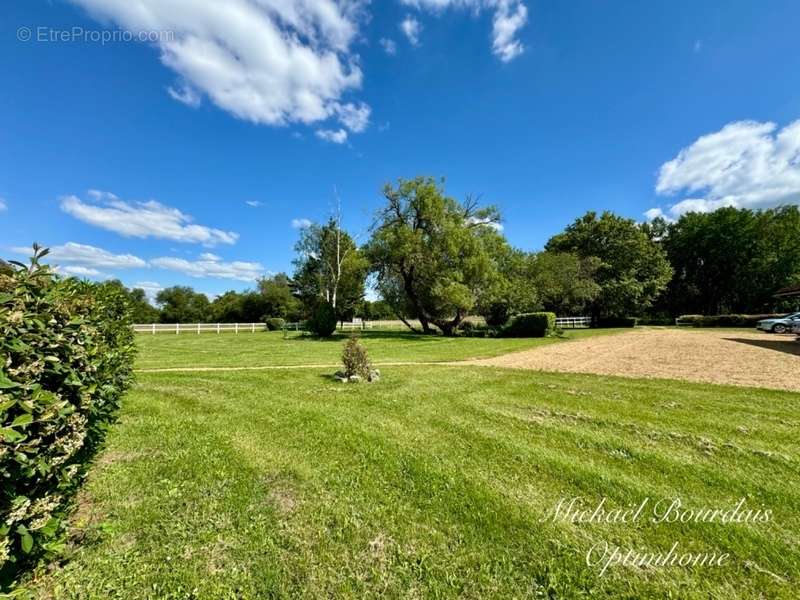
(177,328)
(573,322)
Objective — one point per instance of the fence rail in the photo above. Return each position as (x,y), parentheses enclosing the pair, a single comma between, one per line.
(573,322)
(197,328)
(177,328)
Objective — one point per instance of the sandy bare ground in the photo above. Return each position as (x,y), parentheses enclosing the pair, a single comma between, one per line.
(710,356)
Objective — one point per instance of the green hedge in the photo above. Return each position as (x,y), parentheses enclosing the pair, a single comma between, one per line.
(538,324)
(726,320)
(323,320)
(275,324)
(616,322)
(66,357)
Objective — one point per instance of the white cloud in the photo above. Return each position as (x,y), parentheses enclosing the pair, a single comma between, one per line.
(151,289)
(338,136)
(267,61)
(411,28)
(89,256)
(745,164)
(79,271)
(354,117)
(211,266)
(253,203)
(489,223)
(143,219)
(509,17)
(301,223)
(389,46)
(3,205)
(187,95)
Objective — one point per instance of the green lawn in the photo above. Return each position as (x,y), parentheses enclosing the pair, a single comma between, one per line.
(433,482)
(270,348)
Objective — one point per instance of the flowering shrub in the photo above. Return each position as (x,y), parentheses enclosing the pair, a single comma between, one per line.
(355,359)
(66,355)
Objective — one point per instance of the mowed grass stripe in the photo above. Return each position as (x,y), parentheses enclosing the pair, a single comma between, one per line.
(431,483)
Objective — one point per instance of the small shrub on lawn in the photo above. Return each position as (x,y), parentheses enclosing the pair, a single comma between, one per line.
(275,324)
(355,360)
(323,321)
(66,356)
(538,324)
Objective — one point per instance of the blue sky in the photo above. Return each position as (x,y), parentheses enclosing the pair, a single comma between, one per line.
(138,159)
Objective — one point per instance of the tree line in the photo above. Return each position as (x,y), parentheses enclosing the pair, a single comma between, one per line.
(435,260)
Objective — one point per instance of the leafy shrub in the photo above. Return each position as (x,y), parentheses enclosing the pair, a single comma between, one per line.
(355,359)
(66,355)
(616,322)
(538,324)
(275,324)
(323,320)
(661,321)
(726,320)
(497,314)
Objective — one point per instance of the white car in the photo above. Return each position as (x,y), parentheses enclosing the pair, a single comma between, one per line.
(780,325)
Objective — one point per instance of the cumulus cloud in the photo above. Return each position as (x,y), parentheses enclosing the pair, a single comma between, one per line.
(336,136)
(508,18)
(266,61)
(301,223)
(79,271)
(389,46)
(745,164)
(411,28)
(143,219)
(151,289)
(89,256)
(211,266)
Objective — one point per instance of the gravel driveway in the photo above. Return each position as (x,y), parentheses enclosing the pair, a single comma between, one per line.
(731,357)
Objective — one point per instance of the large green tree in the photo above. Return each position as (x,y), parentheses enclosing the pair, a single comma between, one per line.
(431,254)
(181,304)
(565,282)
(329,268)
(632,269)
(732,260)
(278,298)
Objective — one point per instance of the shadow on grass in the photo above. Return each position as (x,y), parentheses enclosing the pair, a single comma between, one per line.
(369,335)
(788,345)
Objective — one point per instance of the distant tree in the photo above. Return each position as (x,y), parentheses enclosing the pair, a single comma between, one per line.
(431,254)
(565,282)
(278,298)
(181,304)
(512,290)
(141,309)
(732,260)
(632,270)
(226,308)
(329,267)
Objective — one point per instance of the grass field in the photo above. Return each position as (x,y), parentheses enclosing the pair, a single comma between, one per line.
(270,348)
(434,482)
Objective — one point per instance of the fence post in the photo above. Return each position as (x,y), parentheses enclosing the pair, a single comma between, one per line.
(253,328)
(154,328)
(236,328)
(198,329)
(177,328)
(217,327)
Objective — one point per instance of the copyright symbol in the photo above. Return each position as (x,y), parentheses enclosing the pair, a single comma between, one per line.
(24,34)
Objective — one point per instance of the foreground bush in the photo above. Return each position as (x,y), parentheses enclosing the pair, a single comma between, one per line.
(323,321)
(275,324)
(66,354)
(726,320)
(538,324)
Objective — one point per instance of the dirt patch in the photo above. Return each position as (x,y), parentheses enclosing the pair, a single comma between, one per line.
(730,357)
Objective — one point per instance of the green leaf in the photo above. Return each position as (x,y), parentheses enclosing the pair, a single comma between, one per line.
(27,542)
(6,383)
(22,420)
(10,435)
